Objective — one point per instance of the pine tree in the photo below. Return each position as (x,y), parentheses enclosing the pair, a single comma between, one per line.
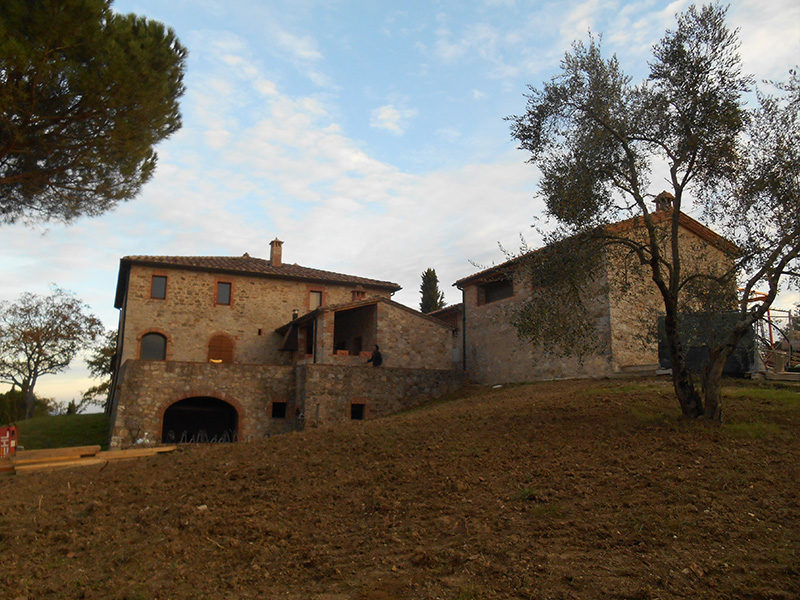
(432,297)
(85,95)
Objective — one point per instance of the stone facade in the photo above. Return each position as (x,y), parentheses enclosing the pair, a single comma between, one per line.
(313,394)
(627,304)
(496,354)
(189,316)
(635,302)
(229,364)
(407,338)
(329,391)
(148,388)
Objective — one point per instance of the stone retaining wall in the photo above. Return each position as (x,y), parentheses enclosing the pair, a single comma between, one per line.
(148,388)
(320,393)
(328,391)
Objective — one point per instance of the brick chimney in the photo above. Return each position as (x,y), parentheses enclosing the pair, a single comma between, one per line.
(664,202)
(275,252)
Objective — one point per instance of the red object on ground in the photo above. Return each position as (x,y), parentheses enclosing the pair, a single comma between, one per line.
(8,441)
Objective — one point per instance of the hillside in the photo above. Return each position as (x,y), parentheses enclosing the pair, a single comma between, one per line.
(63,430)
(552,490)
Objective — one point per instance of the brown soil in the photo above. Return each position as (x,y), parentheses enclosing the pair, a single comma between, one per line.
(553,490)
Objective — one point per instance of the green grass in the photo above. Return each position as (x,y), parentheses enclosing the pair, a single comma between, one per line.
(63,430)
(753,429)
(789,396)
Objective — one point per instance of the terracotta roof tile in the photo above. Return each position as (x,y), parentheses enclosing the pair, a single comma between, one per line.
(658,217)
(248,265)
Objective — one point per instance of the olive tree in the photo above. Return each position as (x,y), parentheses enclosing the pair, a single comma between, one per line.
(598,138)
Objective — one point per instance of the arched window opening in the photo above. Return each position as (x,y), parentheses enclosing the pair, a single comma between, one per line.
(153,347)
(220,349)
(202,420)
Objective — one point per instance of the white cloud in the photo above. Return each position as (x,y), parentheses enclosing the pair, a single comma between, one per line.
(391,118)
(301,47)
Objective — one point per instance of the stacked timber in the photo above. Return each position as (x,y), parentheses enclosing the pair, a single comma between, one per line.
(27,461)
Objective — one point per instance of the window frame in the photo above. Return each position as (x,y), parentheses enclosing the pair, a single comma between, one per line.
(230,340)
(361,403)
(216,292)
(279,404)
(153,333)
(321,293)
(153,278)
(482,288)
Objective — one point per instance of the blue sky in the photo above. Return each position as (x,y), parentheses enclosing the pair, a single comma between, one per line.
(369,136)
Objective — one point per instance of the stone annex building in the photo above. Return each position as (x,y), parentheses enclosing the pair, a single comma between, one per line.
(224,348)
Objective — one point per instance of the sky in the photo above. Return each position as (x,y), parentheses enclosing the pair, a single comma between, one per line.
(368,136)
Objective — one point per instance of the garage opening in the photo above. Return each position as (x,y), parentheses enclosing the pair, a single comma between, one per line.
(200,420)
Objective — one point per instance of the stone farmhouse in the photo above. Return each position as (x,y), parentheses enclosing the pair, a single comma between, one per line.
(240,347)
(627,304)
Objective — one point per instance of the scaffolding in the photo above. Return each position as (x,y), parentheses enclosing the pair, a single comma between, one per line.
(777,337)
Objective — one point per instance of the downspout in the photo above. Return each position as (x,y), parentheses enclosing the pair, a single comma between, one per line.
(314,335)
(463,330)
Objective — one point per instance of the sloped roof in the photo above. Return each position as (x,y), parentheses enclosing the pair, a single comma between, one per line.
(243,265)
(356,304)
(453,308)
(658,217)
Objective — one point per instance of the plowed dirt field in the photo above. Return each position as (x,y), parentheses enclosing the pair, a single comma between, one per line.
(583,489)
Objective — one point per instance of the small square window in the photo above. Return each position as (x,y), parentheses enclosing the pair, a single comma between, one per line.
(314,300)
(357,412)
(279,410)
(223,292)
(158,287)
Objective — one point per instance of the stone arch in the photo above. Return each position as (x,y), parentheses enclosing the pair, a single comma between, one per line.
(200,418)
(220,348)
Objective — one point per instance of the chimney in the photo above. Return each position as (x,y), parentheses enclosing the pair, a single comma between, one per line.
(275,251)
(664,202)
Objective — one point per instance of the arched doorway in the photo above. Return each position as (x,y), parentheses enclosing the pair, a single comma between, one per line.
(202,419)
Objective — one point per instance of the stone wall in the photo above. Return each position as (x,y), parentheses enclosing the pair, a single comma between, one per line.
(407,338)
(496,354)
(328,391)
(321,393)
(148,388)
(635,302)
(188,316)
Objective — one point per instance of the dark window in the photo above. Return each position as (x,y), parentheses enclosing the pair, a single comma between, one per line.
(153,347)
(357,412)
(158,287)
(314,300)
(220,349)
(495,290)
(223,292)
(279,410)
(359,295)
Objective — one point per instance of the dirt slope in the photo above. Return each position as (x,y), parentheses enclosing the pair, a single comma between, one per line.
(554,490)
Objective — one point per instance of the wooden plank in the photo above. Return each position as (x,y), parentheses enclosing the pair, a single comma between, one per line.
(58,452)
(135,452)
(47,459)
(79,462)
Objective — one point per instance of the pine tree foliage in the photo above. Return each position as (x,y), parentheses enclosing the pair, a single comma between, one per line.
(431,297)
(85,95)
